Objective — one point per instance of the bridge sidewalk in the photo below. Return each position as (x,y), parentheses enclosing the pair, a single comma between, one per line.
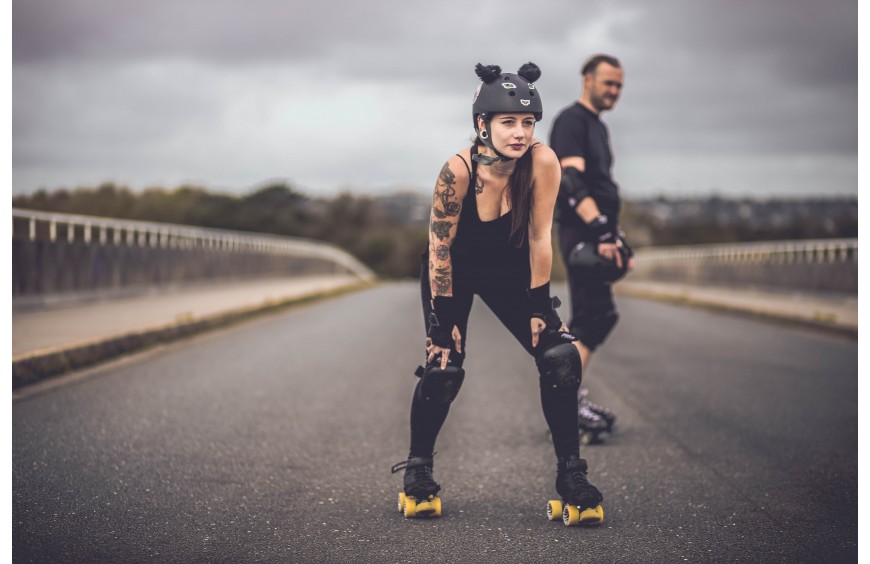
(51,340)
(837,312)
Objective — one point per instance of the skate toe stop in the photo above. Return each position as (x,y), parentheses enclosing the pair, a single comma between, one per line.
(429,507)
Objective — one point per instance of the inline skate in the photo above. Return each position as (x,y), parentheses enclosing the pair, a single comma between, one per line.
(593,428)
(603,412)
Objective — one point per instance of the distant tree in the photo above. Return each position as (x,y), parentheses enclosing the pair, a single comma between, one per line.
(391,244)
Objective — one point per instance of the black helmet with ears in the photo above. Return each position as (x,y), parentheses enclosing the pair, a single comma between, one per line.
(505,93)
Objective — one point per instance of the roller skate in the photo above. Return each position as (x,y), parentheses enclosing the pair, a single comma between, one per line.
(603,412)
(418,498)
(581,501)
(593,427)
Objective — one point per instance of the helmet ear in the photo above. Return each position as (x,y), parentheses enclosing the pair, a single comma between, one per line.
(488,73)
(530,72)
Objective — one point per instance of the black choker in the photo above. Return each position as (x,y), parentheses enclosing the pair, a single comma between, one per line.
(486,160)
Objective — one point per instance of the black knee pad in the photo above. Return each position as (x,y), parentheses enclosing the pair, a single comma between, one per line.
(440,386)
(593,328)
(560,369)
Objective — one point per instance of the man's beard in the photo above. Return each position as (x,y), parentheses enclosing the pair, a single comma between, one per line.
(602,103)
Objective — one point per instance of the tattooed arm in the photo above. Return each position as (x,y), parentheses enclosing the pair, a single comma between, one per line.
(450,189)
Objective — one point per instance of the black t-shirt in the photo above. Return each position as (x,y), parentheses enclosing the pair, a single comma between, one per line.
(577,132)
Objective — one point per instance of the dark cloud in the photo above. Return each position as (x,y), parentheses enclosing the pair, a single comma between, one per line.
(383,38)
(742,77)
(115,79)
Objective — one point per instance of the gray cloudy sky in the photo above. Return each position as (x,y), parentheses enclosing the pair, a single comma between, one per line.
(734,97)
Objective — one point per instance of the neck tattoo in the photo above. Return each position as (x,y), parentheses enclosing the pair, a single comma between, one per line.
(478,186)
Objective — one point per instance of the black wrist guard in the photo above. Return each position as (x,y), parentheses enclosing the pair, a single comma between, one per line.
(544,307)
(603,230)
(572,188)
(441,322)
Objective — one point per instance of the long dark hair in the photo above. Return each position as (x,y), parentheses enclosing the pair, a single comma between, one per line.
(520,185)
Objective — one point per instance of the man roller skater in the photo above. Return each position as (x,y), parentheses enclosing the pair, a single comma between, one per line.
(587,212)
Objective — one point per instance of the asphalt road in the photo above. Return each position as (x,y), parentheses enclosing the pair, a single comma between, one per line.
(272,441)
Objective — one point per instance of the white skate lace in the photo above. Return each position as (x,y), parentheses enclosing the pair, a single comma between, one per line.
(587,413)
(594,407)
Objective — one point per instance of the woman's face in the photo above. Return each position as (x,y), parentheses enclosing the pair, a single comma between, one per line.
(512,133)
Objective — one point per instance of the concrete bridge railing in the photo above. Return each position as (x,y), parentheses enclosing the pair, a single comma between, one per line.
(825,265)
(57,254)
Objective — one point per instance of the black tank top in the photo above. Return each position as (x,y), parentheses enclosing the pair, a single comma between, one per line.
(482,251)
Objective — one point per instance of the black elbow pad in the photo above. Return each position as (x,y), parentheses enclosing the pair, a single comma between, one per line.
(572,188)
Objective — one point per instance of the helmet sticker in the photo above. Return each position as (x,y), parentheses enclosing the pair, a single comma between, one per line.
(525,102)
(508,85)
(477,93)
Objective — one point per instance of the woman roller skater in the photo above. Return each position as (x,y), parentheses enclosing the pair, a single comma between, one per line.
(489,236)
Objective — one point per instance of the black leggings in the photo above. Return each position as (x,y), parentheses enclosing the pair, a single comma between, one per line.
(511,306)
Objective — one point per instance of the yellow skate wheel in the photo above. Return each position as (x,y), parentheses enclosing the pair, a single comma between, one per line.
(429,507)
(401,502)
(570,515)
(554,509)
(410,507)
(592,516)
